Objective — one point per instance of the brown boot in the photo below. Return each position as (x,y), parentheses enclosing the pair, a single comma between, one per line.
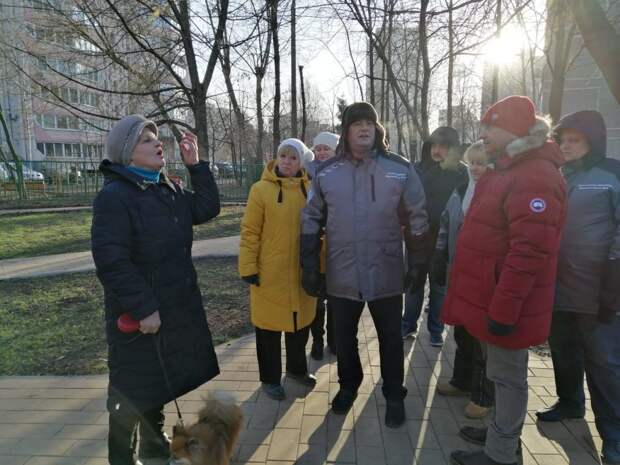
(475,411)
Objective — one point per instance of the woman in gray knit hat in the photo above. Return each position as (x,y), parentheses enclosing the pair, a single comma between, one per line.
(159,344)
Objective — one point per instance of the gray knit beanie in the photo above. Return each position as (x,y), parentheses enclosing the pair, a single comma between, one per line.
(124,136)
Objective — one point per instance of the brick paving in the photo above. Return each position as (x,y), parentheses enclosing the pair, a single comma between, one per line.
(62,420)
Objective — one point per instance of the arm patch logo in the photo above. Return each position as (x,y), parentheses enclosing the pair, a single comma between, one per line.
(538,205)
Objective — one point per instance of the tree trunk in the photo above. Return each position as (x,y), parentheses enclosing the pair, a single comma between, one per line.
(273,23)
(601,40)
(426,70)
(495,81)
(239,118)
(259,118)
(371,68)
(450,64)
(294,132)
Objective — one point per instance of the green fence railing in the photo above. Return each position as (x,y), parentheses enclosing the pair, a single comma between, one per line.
(60,183)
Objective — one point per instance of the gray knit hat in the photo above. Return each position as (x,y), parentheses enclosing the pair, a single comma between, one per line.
(124,136)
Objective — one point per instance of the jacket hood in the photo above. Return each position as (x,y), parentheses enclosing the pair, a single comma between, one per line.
(588,122)
(112,171)
(537,142)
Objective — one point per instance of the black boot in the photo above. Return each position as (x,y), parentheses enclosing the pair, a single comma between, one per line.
(343,401)
(560,411)
(395,413)
(462,457)
(154,443)
(478,436)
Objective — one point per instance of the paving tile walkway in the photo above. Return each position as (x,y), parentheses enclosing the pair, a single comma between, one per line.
(62,420)
(48,265)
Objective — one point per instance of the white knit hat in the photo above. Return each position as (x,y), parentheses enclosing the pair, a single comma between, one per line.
(304,153)
(326,138)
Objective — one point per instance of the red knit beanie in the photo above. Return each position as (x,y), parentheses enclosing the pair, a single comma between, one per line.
(515,114)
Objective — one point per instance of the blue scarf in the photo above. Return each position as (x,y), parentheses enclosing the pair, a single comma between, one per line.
(147,175)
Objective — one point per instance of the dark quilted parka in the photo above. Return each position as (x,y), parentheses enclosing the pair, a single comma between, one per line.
(141,244)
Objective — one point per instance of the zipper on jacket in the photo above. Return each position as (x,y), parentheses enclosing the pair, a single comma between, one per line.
(372,187)
(280,193)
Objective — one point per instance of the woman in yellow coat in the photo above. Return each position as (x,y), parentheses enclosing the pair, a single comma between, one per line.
(269,261)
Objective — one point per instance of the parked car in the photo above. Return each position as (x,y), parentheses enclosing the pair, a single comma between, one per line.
(225,169)
(28,173)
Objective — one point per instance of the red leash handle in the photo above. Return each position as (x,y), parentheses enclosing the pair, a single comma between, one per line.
(126,324)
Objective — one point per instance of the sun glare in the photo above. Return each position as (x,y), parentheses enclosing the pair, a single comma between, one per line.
(503,50)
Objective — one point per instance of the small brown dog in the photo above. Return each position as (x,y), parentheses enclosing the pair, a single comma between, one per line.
(211,440)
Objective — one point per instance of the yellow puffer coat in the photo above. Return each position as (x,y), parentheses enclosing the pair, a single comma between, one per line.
(270,232)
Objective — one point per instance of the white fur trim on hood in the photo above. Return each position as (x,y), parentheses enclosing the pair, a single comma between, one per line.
(537,136)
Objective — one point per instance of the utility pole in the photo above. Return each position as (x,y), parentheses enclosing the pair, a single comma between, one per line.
(293,71)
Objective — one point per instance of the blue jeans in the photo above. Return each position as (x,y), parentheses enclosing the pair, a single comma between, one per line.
(413,309)
(580,343)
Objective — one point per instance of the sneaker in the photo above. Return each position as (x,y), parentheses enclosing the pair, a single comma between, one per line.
(436,340)
(559,412)
(274,391)
(463,457)
(611,453)
(307,379)
(449,389)
(317,350)
(475,411)
(343,401)
(409,334)
(395,413)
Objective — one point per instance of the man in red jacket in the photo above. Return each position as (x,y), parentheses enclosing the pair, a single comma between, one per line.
(503,278)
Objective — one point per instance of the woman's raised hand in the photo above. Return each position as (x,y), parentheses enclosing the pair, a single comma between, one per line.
(189,149)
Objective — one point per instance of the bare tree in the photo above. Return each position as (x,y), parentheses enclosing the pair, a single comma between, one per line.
(600,38)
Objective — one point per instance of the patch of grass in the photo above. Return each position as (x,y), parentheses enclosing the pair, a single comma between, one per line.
(35,234)
(55,326)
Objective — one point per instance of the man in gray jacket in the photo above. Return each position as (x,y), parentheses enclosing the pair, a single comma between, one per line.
(585,331)
(362,200)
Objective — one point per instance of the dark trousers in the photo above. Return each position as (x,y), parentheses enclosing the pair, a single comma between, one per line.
(124,424)
(317,328)
(386,315)
(470,372)
(269,353)
(580,343)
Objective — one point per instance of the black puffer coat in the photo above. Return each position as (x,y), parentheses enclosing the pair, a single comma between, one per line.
(141,243)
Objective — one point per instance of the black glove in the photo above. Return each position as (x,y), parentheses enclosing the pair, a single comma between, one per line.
(252,279)
(439,267)
(500,329)
(416,277)
(610,295)
(313,283)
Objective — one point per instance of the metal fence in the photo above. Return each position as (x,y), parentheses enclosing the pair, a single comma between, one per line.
(77,182)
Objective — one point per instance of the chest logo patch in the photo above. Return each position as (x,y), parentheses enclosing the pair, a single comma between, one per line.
(538,205)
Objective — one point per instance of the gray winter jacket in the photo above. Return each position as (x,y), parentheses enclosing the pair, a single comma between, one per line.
(450,223)
(362,208)
(592,232)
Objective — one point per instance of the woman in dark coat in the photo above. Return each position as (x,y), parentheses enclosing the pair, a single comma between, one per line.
(141,243)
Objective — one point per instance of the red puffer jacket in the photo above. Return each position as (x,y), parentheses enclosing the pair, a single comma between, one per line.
(505,262)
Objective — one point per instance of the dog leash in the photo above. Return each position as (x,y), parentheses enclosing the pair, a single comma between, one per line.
(126,324)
